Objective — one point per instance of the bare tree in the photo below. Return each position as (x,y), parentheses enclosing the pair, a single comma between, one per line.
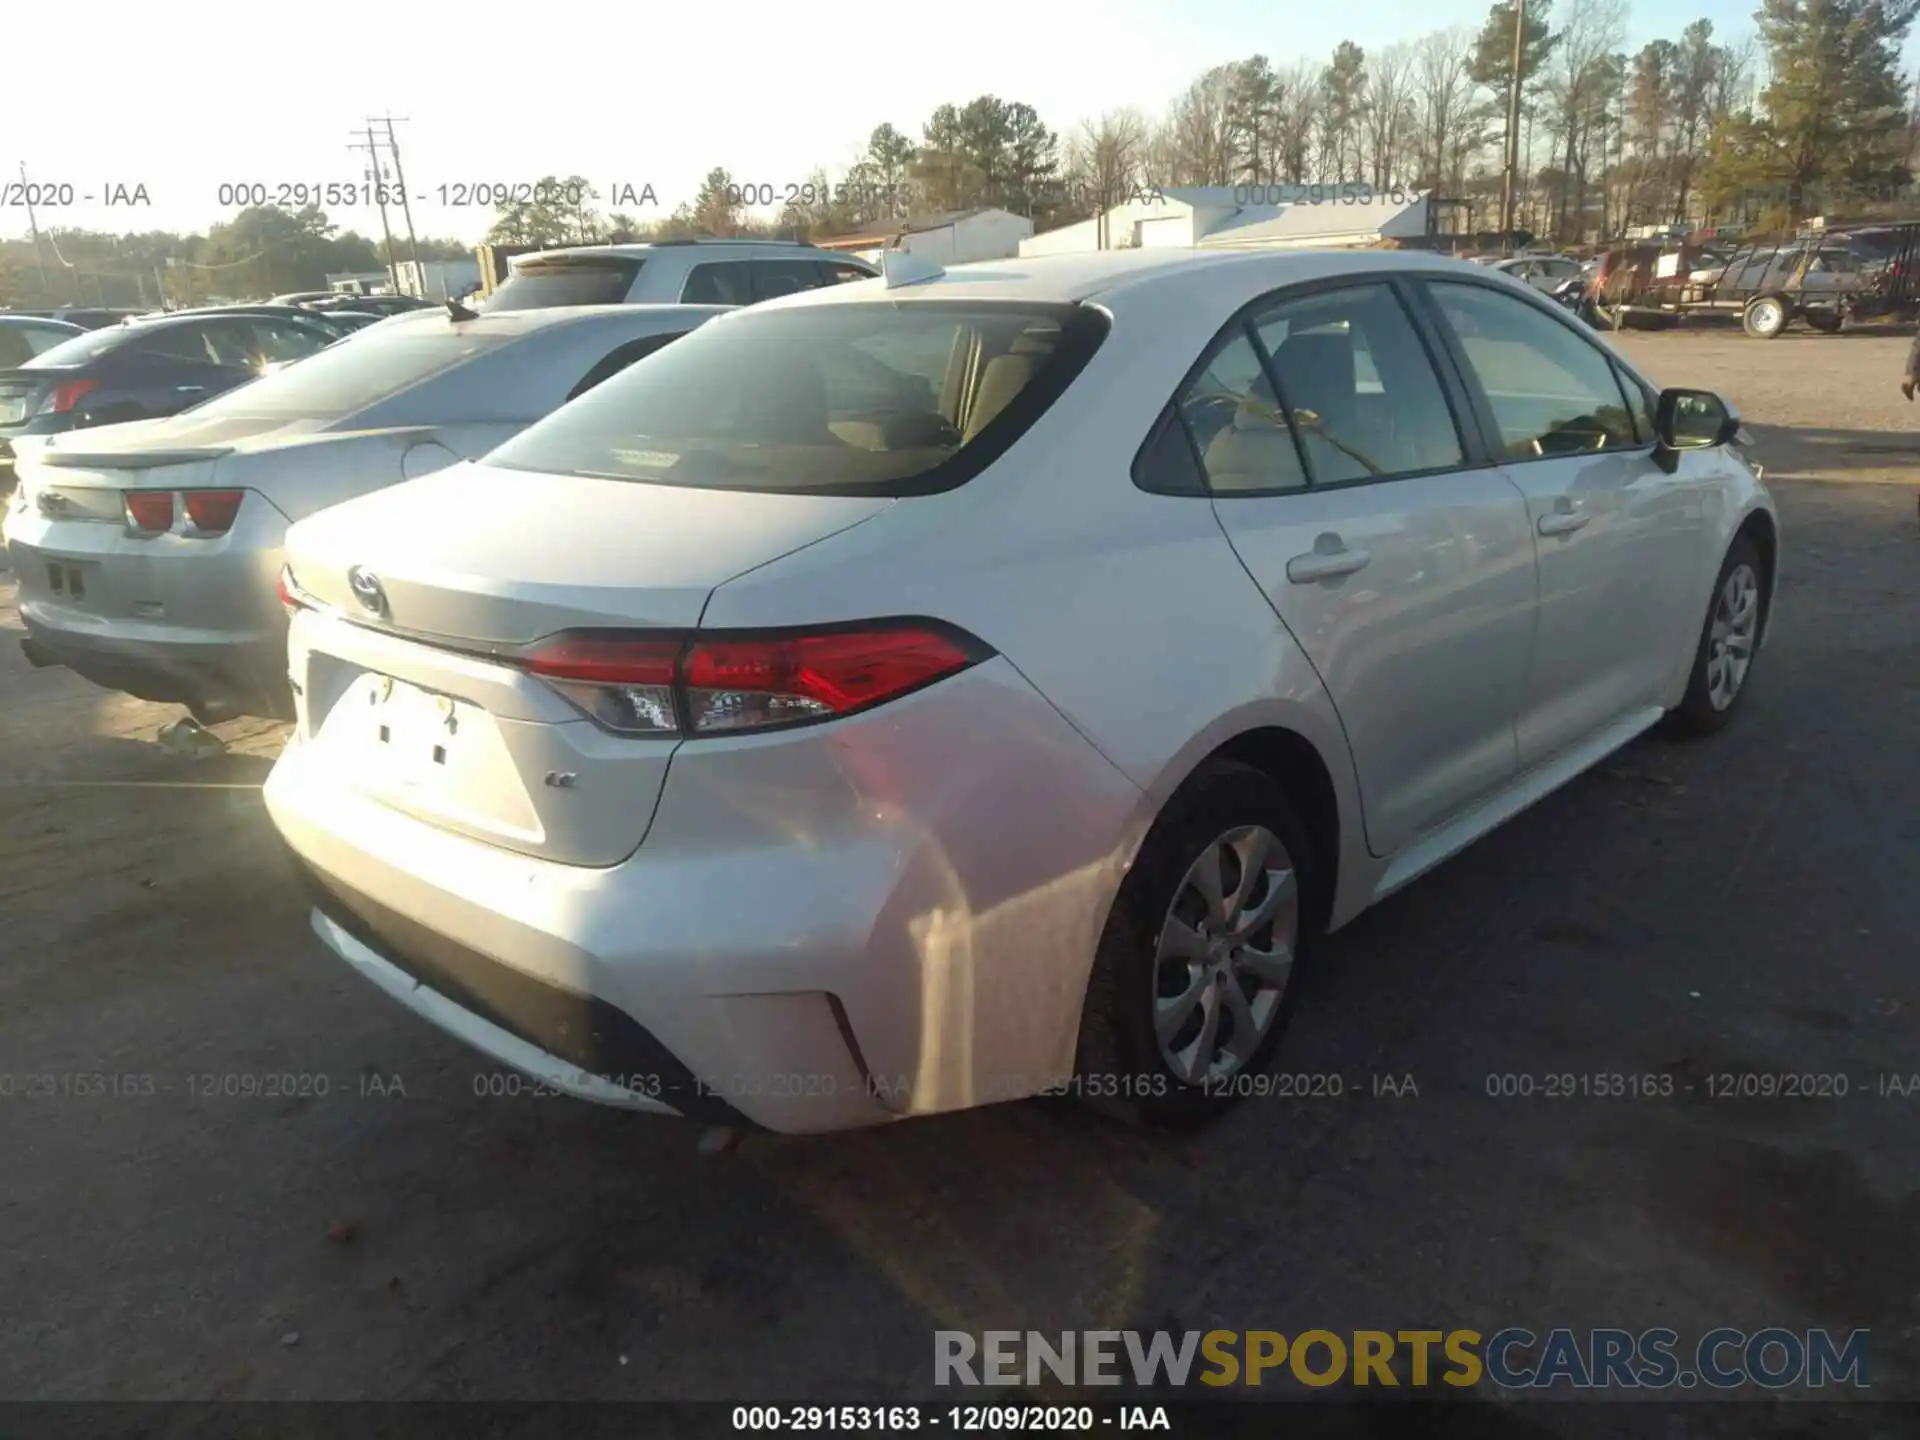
(1197,144)
(1298,120)
(1386,112)
(1449,126)
(1580,89)
(1105,160)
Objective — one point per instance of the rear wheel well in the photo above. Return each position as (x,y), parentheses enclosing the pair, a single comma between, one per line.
(1291,759)
(1759,528)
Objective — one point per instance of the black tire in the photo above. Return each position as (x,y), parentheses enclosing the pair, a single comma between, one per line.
(1827,322)
(1697,713)
(1120,1068)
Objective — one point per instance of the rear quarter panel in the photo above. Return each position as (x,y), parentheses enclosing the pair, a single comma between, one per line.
(1128,612)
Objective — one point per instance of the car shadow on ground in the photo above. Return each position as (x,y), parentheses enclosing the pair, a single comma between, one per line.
(1799,453)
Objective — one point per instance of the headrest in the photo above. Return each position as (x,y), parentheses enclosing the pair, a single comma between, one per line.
(1004,378)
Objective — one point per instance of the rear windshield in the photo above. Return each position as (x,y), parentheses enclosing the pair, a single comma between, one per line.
(346,378)
(569,280)
(81,348)
(849,399)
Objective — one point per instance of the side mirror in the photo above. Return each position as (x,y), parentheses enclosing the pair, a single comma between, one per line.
(1694,420)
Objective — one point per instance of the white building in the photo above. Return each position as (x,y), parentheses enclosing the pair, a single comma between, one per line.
(438,279)
(364,282)
(1242,217)
(950,237)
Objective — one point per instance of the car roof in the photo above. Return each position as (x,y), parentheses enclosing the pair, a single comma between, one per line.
(640,250)
(43,321)
(521,322)
(1067,279)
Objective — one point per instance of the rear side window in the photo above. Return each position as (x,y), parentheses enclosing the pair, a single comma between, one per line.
(619,359)
(567,280)
(178,342)
(279,342)
(774,278)
(1238,428)
(343,380)
(719,282)
(839,272)
(816,399)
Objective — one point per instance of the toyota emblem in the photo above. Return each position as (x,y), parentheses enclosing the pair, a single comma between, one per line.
(367,589)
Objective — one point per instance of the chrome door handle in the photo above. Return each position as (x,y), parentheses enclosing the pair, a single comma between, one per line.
(1562,522)
(1325,565)
(189,389)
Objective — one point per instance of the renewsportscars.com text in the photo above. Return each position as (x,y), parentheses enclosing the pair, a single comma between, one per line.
(1512,1358)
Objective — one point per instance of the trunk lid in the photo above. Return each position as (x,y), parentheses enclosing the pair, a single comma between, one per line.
(492,557)
(401,699)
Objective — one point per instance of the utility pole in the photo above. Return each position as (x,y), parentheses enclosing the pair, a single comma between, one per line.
(375,174)
(1507,195)
(33,225)
(406,207)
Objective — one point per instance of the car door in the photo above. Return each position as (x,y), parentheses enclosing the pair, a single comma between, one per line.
(1397,558)
(1616,525)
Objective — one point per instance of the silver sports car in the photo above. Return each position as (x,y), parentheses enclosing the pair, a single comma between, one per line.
(147,552)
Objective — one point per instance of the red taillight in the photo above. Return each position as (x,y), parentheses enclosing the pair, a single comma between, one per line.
(291,595)
(749,684)
(212,511)
(149,510)
(68,394)
(664,685)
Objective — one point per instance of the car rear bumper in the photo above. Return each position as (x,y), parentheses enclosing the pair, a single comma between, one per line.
(830,928)
(213,637)
(221,678)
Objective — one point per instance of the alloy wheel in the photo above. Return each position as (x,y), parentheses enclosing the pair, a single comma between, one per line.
(1730,643)
(1225,954)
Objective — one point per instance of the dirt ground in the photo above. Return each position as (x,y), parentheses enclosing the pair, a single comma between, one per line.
(1742,904)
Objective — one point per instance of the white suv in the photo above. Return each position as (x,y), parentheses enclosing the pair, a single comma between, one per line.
(689,272)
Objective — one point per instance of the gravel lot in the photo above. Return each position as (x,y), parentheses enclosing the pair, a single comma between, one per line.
(1743,904)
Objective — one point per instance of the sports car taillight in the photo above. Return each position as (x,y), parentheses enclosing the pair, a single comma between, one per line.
(720,683)
(148,511)
(212,511)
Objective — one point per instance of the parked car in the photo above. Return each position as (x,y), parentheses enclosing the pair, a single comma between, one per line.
(1542,272)
(354,321)
(922,692)
(303,297)
(139,369)
(693,272)
(91,317)
(24,336)
(147,553)
(322,327)
(372,304)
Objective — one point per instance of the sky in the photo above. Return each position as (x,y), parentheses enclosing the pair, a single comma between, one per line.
(178,103)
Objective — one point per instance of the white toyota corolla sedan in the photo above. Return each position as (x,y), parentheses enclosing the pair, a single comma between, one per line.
(955,686)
